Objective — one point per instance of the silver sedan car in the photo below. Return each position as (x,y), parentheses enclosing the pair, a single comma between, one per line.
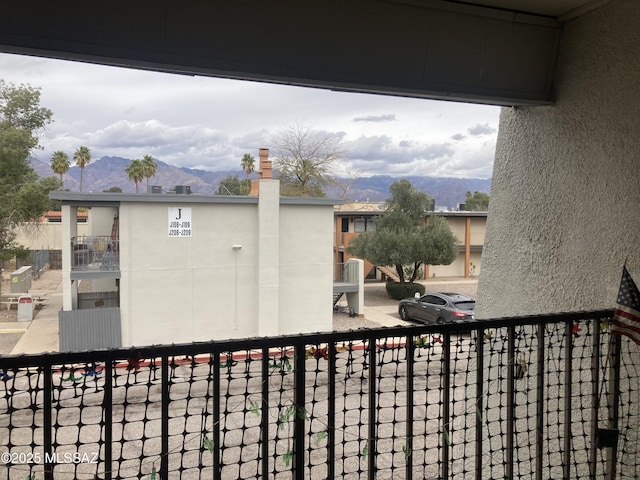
(437,308)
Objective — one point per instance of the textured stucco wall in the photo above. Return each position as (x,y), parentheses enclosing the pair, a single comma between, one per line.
(176,290)
(565,198)
(306,269)
(44,235)
(277,280)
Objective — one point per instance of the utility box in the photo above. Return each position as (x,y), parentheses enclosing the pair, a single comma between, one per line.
(21,280)
(25,308)
(183,189)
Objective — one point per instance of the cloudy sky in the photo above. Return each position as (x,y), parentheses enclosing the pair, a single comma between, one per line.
(209,123)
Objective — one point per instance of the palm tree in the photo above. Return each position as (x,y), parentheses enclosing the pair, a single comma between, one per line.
(135,172)
(82,157)
(248,164)
(60,164)
(149,168)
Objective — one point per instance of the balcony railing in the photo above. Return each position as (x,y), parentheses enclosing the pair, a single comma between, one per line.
(346,273)
(533,397)
(95,252)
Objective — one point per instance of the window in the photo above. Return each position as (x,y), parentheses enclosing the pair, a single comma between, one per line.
(466,305)
(364,224)
(432,299)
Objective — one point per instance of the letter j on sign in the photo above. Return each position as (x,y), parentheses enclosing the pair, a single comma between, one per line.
(180,222)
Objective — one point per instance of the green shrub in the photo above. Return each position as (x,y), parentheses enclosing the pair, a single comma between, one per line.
(399,291)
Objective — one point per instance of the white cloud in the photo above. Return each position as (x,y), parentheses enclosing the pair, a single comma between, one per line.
(480,130)
(210,123)
(376,118)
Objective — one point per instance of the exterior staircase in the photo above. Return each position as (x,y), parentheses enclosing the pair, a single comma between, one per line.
(389,271)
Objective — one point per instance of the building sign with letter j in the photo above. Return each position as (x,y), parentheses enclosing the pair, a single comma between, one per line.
(180,221)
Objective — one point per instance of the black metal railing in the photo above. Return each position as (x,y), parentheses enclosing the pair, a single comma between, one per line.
(530,397)
(95,252)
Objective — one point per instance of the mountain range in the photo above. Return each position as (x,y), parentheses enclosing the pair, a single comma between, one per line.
(107,172)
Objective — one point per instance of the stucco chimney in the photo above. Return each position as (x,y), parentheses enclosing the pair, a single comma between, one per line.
(265,171)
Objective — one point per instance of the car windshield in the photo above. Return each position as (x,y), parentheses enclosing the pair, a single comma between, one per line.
(470,305)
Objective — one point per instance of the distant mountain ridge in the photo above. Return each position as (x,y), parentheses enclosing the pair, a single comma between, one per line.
(106,172)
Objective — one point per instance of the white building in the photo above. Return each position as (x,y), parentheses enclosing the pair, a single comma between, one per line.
(174,268)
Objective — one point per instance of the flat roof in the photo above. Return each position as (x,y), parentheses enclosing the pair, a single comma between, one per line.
(90,199)
(378,208)
(362,207)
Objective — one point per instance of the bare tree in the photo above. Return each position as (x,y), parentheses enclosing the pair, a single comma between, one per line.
(346,181)
(305,159)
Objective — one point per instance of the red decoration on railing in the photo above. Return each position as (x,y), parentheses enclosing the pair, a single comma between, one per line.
(317,353)
(133,363)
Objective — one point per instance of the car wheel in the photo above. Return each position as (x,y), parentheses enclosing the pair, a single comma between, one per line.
(440,321)
(404,313)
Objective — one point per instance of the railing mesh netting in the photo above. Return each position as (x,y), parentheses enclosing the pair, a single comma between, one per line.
(535,399)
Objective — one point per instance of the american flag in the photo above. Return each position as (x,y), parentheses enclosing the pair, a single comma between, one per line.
(626,315)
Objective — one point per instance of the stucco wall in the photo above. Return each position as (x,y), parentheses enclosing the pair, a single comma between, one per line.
(458,227)
(101,220)
(565,197)
(199,288)
(44,235)
(177,290)
(455,269)
(306,269)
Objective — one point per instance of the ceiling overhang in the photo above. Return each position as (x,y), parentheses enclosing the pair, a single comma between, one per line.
(418,48)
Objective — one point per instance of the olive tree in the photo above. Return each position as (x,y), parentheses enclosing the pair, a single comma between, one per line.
(403,238)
